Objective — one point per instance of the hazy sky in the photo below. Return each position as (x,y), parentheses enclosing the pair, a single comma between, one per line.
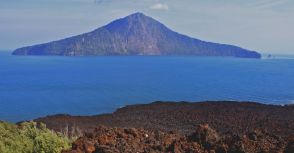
(263,25)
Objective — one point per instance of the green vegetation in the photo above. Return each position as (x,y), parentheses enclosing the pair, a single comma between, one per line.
(28,138)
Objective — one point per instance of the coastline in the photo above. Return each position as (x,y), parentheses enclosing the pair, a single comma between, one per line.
(218,126)
(224,116)
(202,127)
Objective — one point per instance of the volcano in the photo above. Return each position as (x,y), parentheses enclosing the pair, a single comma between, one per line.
(136,34)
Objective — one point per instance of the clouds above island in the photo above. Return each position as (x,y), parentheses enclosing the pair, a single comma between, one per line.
(263,25)
(159,6)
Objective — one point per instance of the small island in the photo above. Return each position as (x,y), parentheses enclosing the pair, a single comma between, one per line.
(136,34)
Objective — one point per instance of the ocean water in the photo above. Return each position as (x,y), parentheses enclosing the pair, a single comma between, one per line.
(35,86)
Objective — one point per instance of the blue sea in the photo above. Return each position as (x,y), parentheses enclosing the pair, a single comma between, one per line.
(36,86)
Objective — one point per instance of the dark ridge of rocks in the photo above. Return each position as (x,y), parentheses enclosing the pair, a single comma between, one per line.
(237,118)
(290,145)
(202,140)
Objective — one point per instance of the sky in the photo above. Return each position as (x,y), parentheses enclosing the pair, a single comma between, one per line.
(261,25)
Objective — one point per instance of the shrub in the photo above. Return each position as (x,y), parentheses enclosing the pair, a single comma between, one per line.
(27,138)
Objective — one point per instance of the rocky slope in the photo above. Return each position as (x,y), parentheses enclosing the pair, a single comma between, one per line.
(234,117)
(204,127)
(136,34)
(202,140)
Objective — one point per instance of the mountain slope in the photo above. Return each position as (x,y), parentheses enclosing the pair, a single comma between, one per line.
(136,34)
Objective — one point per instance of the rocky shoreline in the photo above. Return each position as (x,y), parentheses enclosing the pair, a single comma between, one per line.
(203,140)
(222,126)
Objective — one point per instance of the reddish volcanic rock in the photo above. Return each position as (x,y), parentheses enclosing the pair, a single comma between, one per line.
(234,127)
(203,140)
(205,136)
(235,117)
(118,140)
(290,145)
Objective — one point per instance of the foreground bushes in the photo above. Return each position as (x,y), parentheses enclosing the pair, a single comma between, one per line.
(27,138)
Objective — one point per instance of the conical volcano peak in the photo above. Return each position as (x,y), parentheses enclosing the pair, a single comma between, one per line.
(136,34)
(137,21)
(137,15)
